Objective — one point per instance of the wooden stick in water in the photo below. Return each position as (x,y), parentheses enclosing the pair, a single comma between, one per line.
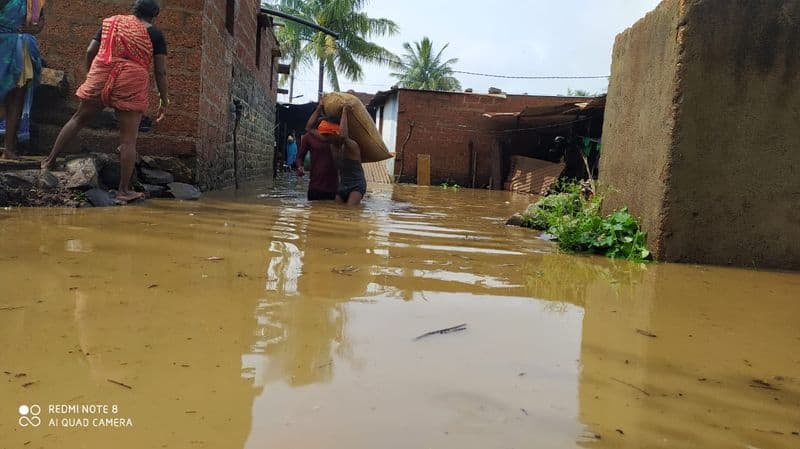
(460,327)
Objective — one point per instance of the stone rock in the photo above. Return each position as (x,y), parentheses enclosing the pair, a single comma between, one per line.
(515,220)
(530,210)
(547,237)
(103,160)
(56,79)
(22,179)
(181,170)
(82,174)
(156,176)
(101,198)
(47,180)
(184,191)
(26,179)
(154,191)
(110,173)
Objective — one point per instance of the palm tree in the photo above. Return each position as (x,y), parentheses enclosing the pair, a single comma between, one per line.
(423,68)
(346,54)
(291,39)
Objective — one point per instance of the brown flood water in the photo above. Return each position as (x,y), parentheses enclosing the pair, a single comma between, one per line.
(301,335)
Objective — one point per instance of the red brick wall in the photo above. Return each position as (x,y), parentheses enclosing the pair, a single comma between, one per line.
(227,63)
(205,62)
(445,124)
(71,25)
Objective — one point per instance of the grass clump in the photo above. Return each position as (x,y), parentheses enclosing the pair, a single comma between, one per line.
(579,226)
(450,185)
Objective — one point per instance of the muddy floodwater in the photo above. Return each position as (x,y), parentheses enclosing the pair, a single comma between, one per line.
(256,320)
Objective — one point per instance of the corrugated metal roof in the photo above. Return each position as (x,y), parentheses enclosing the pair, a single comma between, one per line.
(553,110)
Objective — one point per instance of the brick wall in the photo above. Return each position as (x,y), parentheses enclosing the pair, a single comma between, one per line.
(71,25)
(230,77)
(446,126)
(209,69)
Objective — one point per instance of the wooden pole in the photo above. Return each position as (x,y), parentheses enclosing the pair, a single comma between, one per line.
(497,164)
(424,169)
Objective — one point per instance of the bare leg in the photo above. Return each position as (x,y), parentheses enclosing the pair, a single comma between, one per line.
(14,102)
(354,199)
(86,111)
(128,132)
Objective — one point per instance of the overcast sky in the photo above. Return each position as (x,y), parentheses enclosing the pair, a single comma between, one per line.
(508,37)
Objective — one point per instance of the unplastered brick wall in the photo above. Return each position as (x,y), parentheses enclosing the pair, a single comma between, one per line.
(71,25)
(448,125)
(236,76)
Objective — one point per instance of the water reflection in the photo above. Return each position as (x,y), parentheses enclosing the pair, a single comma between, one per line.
(268,321)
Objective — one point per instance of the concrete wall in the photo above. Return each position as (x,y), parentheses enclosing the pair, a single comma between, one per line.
(446,126)
(701,132)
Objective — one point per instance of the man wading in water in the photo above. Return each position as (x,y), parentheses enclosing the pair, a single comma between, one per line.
(352,184)
(324,180)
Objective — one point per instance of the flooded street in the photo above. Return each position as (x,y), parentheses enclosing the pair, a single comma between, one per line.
(259,320)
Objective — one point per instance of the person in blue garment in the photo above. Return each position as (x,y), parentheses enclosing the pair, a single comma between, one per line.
(20,68)
(291,149)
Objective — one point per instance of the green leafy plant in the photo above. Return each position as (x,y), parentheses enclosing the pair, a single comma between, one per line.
(579,226)
(81,197)
(450,185)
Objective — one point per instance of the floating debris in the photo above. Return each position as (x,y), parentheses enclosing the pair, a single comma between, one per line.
(630,385)
(347,270)
(646,333)
(758,383)
(11,308)
(115,382)
(460,327)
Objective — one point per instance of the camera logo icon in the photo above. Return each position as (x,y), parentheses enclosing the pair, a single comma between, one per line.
(29,415)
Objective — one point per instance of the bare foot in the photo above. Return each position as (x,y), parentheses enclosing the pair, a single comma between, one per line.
(129,196)
(10,155)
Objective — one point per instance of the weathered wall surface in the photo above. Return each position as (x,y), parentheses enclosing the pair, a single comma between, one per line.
(640,116)
(234,73)
(71,25)
(446,126)
(210,69)
(712,168)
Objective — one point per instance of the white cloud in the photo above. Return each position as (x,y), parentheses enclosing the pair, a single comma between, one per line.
(528,37)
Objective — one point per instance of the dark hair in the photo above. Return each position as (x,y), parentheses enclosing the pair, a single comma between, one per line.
(146,9)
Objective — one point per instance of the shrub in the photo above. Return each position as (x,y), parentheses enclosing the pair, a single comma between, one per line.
(579,226)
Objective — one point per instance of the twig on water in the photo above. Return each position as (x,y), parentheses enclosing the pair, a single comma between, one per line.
(646,333)
(120,384)
(758,383)
(630,385)
(11,308)
(460,327)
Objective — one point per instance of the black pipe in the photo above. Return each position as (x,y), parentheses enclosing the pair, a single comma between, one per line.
(305,22)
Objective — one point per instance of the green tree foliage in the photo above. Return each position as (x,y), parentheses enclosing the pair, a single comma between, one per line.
(422,67)
(335,56)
